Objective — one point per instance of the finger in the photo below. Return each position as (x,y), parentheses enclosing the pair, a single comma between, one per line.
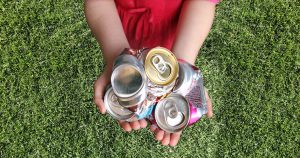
(125,125)
(174,138)
(98,96)
(135,125)
(159,134)
(153,128)
(143,123)
(166,140)
(209,105)
(100,105)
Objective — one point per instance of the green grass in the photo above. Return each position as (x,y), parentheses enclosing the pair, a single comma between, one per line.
(49,60)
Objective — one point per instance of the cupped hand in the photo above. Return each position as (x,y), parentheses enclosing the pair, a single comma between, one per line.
(99,92)
(173,138)
(136,125)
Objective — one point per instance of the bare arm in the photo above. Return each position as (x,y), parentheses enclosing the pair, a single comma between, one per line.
(195,22)
(104,21)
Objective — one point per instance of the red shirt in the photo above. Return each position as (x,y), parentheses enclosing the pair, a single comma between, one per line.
(150,23)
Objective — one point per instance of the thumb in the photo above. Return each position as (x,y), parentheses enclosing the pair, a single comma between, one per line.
(99,88)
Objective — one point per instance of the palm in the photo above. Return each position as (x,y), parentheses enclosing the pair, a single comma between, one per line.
(165,138)
(99,91)
(136,125)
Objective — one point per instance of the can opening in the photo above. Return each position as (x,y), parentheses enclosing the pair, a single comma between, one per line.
(126,80)
(172,115)
(166,75)
(161,66)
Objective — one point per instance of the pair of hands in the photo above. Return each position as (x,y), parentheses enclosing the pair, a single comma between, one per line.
(165,138)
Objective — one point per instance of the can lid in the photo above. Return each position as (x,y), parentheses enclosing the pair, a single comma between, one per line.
(161,66)
(172,113)
(127,80)
(114,108)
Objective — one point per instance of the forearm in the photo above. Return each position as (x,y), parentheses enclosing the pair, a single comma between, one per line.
(104,22)
(195,22)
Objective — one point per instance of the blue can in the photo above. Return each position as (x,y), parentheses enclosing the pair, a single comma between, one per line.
(145,112)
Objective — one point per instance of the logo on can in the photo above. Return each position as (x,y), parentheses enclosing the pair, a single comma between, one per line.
(190,84)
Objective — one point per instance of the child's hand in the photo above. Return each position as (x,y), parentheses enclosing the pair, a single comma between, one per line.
(136,125)
(99,89)
(173,138)
(99,92)
(164,137)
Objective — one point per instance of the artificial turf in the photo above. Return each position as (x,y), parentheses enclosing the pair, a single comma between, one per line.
(49,60)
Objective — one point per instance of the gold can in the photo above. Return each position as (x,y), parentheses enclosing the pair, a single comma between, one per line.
(161,66)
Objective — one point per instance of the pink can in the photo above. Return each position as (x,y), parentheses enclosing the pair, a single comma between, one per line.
(190,84)
(174,113)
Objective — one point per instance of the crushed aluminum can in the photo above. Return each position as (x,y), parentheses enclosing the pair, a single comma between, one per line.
(119,112)
(129,80)
(161,68)
(194,116)
(116,110)
(144,110)
(172,114)
(190,84)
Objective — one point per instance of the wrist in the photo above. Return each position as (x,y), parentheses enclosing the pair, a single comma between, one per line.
(108,69)
(189,57)
(187,60)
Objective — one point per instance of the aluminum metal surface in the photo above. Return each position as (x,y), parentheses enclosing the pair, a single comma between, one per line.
(135,100)
(172,113)
(161,66)
(127,58)
(191,85)
(114,108)
(196,114)
(144,112)
(196,95)
(159,90)
(129,80)
(185,79)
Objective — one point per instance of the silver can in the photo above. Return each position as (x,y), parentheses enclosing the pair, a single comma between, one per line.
(116,110)
(190,84)
(119,112)
(185,79)
(129,80)
(172,113)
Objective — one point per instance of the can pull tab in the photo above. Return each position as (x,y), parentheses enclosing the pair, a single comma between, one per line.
(172,116)
(160,64)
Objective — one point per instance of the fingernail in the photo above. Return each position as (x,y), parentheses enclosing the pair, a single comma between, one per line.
(102,111)
(153,126)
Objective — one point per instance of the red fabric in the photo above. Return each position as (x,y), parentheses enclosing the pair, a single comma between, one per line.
(149,23)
